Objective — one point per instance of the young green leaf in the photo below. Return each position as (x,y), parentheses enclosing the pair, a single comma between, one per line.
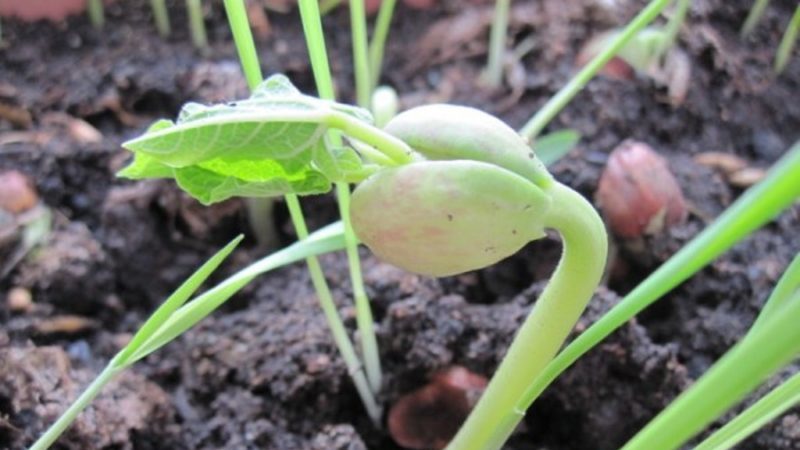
(553,146)
(339,164)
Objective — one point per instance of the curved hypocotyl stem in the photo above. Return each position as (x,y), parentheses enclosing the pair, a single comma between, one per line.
(544,331)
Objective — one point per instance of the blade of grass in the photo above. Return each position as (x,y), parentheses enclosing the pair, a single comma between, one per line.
(736,374)
(327,239)
(756,12)
(788,41)
(161,17)
(757,206)
(378,43)
(187,316)
(175,301)
(497,41)
(197,25)
(247,54)
(673,26)
(565,95)
(775,403)
(787,285)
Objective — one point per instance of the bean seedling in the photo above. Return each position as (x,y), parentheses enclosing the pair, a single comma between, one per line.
(429,183)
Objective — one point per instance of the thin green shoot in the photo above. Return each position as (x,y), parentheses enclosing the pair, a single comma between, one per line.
(551,147)
(788,284)
(497,43)
(673,26)
(197,25)
(755,15)
(326,6)
(259,210)
(245,45)
(96,13)
(378,44)
(757,206)
(123,358)
(358,33)
(161,17)
(175,317)
(788,42)
(766,409)
(312,27)
(736,374)
(565,95)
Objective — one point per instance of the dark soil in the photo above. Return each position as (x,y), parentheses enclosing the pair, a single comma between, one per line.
(263,371)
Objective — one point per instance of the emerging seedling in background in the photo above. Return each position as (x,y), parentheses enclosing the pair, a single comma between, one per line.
(161,17)
(96,13)
(197,26)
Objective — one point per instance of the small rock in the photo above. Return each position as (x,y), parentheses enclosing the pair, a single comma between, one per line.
(19,300)
(638,193)
(17,193)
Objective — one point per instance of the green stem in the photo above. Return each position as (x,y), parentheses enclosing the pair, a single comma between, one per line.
(673,26)
(547,326)
(69,416)
(378,44)
(358,30)
(237,16)
(312,26)
(756,11)
(752,210)
(96,13)
(337,328)
(740,371)
(756,416)
(565,95)
(197,26)
(161,17)
(787,42)
(497,41)
(397,150)
(364,319)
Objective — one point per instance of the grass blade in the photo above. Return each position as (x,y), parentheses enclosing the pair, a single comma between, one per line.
(736,374)
(326,240)
(775,403)
(175,301)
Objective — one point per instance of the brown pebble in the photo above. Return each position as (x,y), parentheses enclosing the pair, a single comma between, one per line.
(429,417)
(724,162)
(638,193)
(19,300)
(17,193)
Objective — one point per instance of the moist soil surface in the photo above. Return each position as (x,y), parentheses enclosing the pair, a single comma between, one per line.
(262,372)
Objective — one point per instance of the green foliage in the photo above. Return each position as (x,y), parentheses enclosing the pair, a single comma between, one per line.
(268,145)
(551,147)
